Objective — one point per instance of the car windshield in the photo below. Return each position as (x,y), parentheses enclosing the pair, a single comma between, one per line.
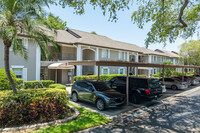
(154,83)
(101,86)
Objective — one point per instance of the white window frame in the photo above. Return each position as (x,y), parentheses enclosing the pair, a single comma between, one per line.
(103,54)
(103,70)
(121,53)
(24,71)
(120,69)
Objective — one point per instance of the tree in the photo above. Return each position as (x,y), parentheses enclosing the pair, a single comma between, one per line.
(17,17)
(54,22)
(168,71)
(20,17)
(170,19)
(190,52)
(93,32)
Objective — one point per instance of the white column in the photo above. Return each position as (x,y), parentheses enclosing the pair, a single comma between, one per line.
(96,58)
(149,61)
(79,58)
(136,60)
(127,58)
(38,57)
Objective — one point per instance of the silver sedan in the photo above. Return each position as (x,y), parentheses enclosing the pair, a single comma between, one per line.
(174,83)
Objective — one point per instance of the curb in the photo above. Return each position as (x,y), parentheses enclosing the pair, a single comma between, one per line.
(40,125)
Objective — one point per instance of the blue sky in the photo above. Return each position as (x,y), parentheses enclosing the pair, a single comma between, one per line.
(123,30)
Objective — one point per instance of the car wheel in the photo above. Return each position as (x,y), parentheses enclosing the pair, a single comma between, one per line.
(74,97)
(100,104)
(174,87)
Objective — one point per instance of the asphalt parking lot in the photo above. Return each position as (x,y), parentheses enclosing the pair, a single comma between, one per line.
(114,112)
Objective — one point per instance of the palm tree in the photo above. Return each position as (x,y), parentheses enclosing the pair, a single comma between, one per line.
(19,17)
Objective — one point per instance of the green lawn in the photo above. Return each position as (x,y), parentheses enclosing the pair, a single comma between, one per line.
(85,120)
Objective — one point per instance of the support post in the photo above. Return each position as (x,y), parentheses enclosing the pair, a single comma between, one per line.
(56,76)
(163,74)
(182,74)
(159,72)
(127,86)
(175,72)
(98,73)
(136,71)
(72,76)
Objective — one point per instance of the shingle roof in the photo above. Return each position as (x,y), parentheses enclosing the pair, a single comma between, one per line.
(168,53)
(72,36)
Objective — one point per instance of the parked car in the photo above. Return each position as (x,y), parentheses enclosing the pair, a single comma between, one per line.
(187,80)
(194,81)
(174,83)
(197,77)
(98,93)
(139,88)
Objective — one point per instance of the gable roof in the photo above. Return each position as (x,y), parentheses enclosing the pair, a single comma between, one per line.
(168,53)
(72,36)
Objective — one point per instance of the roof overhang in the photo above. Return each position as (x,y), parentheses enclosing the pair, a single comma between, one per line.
(60,66)
(125,64)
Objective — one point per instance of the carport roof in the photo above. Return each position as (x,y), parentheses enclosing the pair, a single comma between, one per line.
(125,64)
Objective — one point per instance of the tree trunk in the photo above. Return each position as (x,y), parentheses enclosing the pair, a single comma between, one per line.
(7,68)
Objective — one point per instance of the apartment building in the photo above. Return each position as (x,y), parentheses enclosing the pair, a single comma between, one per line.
(79,45)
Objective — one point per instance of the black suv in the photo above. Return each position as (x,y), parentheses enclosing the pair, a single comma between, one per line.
(139,88)
(98,93)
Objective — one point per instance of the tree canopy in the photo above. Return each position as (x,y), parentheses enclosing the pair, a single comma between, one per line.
(190,52)
(54,22)
(170,19)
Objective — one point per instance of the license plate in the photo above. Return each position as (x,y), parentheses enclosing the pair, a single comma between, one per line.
(164,88)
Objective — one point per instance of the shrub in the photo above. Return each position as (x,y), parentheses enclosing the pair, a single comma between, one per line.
(19,83)
(4,83)
(30,106)
(37,84)
(57,86)
(61,87)
(102,77)
(54,85)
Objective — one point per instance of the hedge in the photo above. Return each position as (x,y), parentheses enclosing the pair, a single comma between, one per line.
(174,74)
(31,106)
(38,84)
(57,86)
(102,77)
(19,83)
(4,83)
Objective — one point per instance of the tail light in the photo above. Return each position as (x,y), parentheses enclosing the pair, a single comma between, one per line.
(147,92)
(150,84)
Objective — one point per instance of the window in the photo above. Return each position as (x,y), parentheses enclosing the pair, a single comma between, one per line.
(18,72)
(121,71)
(105,53)
(154,59)
(121,55)
(105,71)
(20,41)
(82,84)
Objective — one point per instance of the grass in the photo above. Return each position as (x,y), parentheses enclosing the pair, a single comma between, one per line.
(85,120)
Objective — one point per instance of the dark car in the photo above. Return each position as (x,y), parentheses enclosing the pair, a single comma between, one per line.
(98,93)
(139,88)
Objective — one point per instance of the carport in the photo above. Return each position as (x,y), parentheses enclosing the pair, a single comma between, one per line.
(128,65)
